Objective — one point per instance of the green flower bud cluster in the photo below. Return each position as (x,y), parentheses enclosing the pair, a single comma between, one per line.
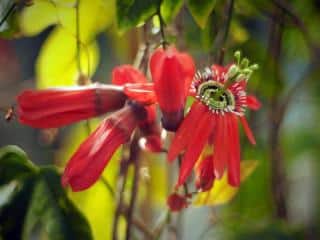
(242,70)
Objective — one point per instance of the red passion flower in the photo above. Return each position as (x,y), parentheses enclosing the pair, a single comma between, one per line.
(221,100)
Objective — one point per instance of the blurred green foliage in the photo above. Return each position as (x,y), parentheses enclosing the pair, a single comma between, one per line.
(36,200)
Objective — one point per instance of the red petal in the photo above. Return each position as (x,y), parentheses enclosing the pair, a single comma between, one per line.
(184,133)
(88,162)
(168,82)
(188,68)
(200,137)
(205,175)
(234,160)
(253,103)
(220,151)
(141,92)
(127,74)
(247,130)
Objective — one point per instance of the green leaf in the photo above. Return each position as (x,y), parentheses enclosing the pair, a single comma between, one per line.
(14,164)
(13,212)
(51,208)
(222,192)
(200,10)
(170,9)
(131,13)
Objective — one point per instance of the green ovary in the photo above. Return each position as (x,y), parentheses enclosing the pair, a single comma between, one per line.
(215,96)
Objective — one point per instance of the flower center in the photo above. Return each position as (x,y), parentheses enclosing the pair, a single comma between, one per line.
(215,96)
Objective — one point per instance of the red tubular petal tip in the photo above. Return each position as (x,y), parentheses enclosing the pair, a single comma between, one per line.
(88,162)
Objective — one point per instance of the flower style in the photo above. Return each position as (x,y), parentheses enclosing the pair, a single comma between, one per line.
(172,73)
(221,100)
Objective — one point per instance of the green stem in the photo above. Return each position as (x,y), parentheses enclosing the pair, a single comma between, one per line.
(162,24)
(78,42)
(11,9)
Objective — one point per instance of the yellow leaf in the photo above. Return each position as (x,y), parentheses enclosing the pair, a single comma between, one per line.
(30,16)
(57,62)
(98,207)
(222,192)
(94,16)
(158,181)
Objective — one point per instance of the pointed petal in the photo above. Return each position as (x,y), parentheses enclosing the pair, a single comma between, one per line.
(195,146)
(234,160)
(220,153)
(253,103)
(247,130)
(184,133)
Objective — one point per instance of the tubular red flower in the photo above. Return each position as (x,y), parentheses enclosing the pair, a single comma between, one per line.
(220,103)
(172,73)
(61,106)
(88,162)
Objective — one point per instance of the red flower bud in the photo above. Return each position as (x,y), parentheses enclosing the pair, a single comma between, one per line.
(60,106)
(176,202)
(172,73)
(88,162)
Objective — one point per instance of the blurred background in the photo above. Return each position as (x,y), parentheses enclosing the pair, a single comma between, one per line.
(279,200)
